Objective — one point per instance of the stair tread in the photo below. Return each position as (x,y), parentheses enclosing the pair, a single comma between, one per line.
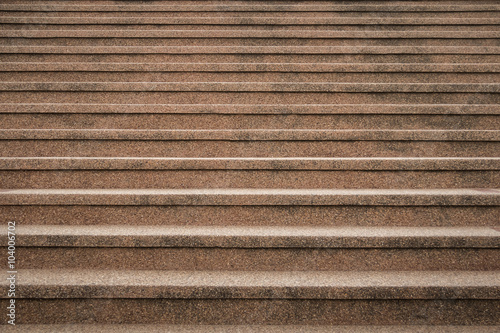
(265,197)
(356,50)
(253,87)
(252,21)
(323,109)
(288,34)
(72,283)
(250,134)
(250,163)
(252,67)
(136,328)
(255,237)
(260,7)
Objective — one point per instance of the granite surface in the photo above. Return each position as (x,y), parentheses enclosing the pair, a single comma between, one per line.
(252,197)
(131,328)
(254,237)
(255,312)
(67,284)
(253,109)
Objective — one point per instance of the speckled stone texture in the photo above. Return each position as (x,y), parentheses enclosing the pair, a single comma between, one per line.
(91,328)
(251,166)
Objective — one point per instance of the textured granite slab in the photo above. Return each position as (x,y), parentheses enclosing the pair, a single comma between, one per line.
(289,34)
(254,237)
(251,163)
(260,285)
(250,135)
(131,328)
(251,197)
(430,109)
(357,50)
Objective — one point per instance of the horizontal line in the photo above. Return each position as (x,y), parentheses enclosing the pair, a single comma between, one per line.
(252,197)
(316,87)
(254,109)
(250,135)
(250,67)
(357,50)
(249,20)
(282,164)
(289,34)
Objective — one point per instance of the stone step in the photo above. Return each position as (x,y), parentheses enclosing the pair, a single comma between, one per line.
(282,14)
(252,54)
(253,197)
(67,116)
(254,109)
(250,116)
(121,55)
(378,68)
(400,7)
(248,92)
(483,27)
(204,297)
(131,328)
(253,72)
(245,37)
(250,143)
(256,285)
(280,87)
(248,172)
(215,20)
(247,34)
(252,207)
(295,77)
(257,248)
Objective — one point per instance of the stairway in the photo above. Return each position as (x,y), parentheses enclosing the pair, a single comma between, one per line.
(251,166)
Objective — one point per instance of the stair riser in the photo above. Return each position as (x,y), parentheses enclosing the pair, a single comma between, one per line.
(253,215)
(102,148)
(333,15)
(247,179)
(247,121)
(253,311)
(370,27)
(144,97)
(253,58)
(237,259)
(244,42)
(263,76)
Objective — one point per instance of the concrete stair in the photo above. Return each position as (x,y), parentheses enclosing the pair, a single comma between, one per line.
(251,166)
